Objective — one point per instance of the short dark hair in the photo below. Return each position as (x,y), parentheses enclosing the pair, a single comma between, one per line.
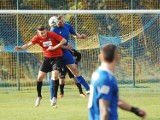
(108,52)
(41,28)
(59,17)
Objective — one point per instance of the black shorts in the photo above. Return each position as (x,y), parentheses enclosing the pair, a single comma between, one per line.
(64,71)
(51,64)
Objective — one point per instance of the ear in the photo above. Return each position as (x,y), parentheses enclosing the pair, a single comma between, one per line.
(100,57)
(117,56)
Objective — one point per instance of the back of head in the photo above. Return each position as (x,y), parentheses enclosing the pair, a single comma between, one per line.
(108,52)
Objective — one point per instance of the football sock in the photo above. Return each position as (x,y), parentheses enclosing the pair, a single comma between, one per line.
(56,85)
(39,87)
(79,88)
(51,88)
(62,88)
(82,81)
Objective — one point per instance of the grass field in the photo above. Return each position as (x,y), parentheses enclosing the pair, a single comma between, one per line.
(19,105)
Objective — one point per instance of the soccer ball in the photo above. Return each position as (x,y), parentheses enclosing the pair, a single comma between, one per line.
(53,21)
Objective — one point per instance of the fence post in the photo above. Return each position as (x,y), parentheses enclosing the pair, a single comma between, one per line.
(76,8)
(132,42)
(17,62)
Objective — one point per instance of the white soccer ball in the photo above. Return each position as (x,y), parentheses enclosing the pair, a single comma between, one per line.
(53,21)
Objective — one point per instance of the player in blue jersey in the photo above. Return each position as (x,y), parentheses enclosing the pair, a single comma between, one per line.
(104,98)
(65,29)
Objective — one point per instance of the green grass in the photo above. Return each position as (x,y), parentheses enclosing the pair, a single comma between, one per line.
(19,105)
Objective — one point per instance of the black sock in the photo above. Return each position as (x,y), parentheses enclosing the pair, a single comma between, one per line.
(62,88)
(56,85)
(39,87)
(79,88)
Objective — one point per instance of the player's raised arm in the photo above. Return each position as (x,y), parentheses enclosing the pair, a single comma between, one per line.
(125,106)
(24,47)
(76,35)
(79,36)
(62,42)
(68,47)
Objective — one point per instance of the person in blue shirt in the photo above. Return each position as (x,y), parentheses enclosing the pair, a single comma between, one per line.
(104,97)
(58,26)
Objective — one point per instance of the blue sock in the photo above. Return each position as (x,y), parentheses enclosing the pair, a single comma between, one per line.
(51,88)
(82,81)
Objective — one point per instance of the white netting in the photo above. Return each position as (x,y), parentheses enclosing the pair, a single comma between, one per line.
(125,30)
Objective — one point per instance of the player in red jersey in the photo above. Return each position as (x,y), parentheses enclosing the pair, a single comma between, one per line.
(51,45)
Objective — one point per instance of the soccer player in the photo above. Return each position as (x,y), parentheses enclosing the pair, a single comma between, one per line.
(64,29)
(65,70)
(104,98)
(51,45)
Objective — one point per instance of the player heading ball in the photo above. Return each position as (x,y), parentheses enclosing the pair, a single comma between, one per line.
(51,43)
(63,29)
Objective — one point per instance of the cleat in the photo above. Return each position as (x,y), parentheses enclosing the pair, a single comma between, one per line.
(53,101)
(55,106)
(38,100)
(88,92)
(61,95)
(82,95)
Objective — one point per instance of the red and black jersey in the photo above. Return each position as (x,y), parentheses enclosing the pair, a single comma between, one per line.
(52,39)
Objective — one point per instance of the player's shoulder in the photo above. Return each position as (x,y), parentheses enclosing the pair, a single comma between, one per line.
(36,36)
(102,76)
(54,29)
(67,24)
(51,33)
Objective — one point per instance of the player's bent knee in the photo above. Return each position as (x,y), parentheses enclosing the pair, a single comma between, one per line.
(40,77)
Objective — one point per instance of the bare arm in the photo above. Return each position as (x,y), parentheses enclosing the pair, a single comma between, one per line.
(68,47)
(63,41)
(24,47)
(79,36)
(103,107)
(125,106)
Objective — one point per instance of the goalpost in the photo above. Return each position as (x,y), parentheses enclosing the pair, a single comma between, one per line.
(135,32)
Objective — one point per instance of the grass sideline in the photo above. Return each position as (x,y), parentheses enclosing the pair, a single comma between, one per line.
(19,105)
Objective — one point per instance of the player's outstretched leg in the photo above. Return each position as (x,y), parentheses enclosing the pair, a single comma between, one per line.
(80,90)
(81,80)
(78,77)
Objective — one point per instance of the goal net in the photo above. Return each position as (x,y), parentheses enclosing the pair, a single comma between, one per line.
(136,33)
